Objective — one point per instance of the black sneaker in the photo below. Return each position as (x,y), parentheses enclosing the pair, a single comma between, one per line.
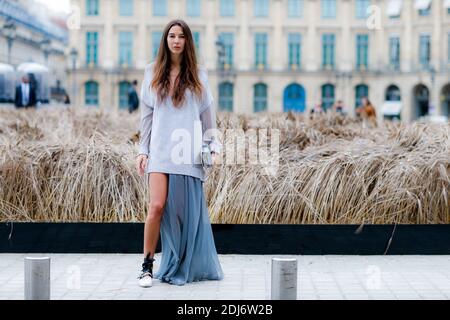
(146,276)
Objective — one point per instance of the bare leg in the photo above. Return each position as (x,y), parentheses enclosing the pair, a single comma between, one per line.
(158,183)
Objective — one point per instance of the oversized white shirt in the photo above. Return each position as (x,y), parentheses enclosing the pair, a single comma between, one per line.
(172,136)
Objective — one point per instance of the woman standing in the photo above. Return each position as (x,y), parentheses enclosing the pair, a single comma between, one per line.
(368,113)
(177,117)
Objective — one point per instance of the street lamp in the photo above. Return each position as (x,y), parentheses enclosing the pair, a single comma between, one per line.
(74,55)
(9,30)
(220,59)
(432,74)
(46,46)
(430,96)
(220,54)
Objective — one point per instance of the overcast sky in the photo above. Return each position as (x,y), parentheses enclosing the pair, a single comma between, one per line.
(57,5)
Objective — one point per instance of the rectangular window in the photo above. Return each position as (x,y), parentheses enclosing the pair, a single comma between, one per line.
(361,8)
(156,39)
(228,41)
(424,50)
(92,7)
(125,48)
(260,50)
(159,7)
(193,8)
(295,8)
(126,7)
(294,46)
(92,48)
(226,96)
(424,8)
(227,8)
(328,9)
(196,38)
(362,51)
(424,12)
(328,41)
(261,8)
(394,52)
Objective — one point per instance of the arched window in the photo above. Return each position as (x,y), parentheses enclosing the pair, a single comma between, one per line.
(226,96)
(446,100)
(327,96)
(421,100)
(91,93)
(260,97)
(392,105)
(393,93)
(361,91)
(294,98)
(124,86)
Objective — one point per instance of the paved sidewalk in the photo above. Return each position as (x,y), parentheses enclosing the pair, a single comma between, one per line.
(113,276)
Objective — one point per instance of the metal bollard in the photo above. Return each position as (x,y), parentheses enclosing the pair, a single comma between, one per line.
(37,278)
(284,279)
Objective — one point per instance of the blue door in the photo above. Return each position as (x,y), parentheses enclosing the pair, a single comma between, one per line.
(294,98)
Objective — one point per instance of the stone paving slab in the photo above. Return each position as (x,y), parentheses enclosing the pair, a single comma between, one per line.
(247,277)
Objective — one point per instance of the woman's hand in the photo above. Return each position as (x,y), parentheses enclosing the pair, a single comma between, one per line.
(141,163)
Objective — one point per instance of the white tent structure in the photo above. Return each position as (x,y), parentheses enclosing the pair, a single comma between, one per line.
(7,81)
(40,74)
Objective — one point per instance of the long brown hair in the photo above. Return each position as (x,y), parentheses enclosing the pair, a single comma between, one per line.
(187,78)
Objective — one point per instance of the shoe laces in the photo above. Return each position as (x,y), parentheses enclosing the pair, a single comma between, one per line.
(147,267)
(145,274)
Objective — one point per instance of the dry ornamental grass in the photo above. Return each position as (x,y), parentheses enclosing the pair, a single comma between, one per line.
(79,165)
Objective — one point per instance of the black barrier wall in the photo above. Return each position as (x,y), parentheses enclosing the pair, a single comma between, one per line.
(231,238)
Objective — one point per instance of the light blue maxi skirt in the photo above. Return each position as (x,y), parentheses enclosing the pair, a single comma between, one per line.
(188,249)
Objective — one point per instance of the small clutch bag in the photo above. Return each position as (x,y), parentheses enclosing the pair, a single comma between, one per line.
(206,156)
